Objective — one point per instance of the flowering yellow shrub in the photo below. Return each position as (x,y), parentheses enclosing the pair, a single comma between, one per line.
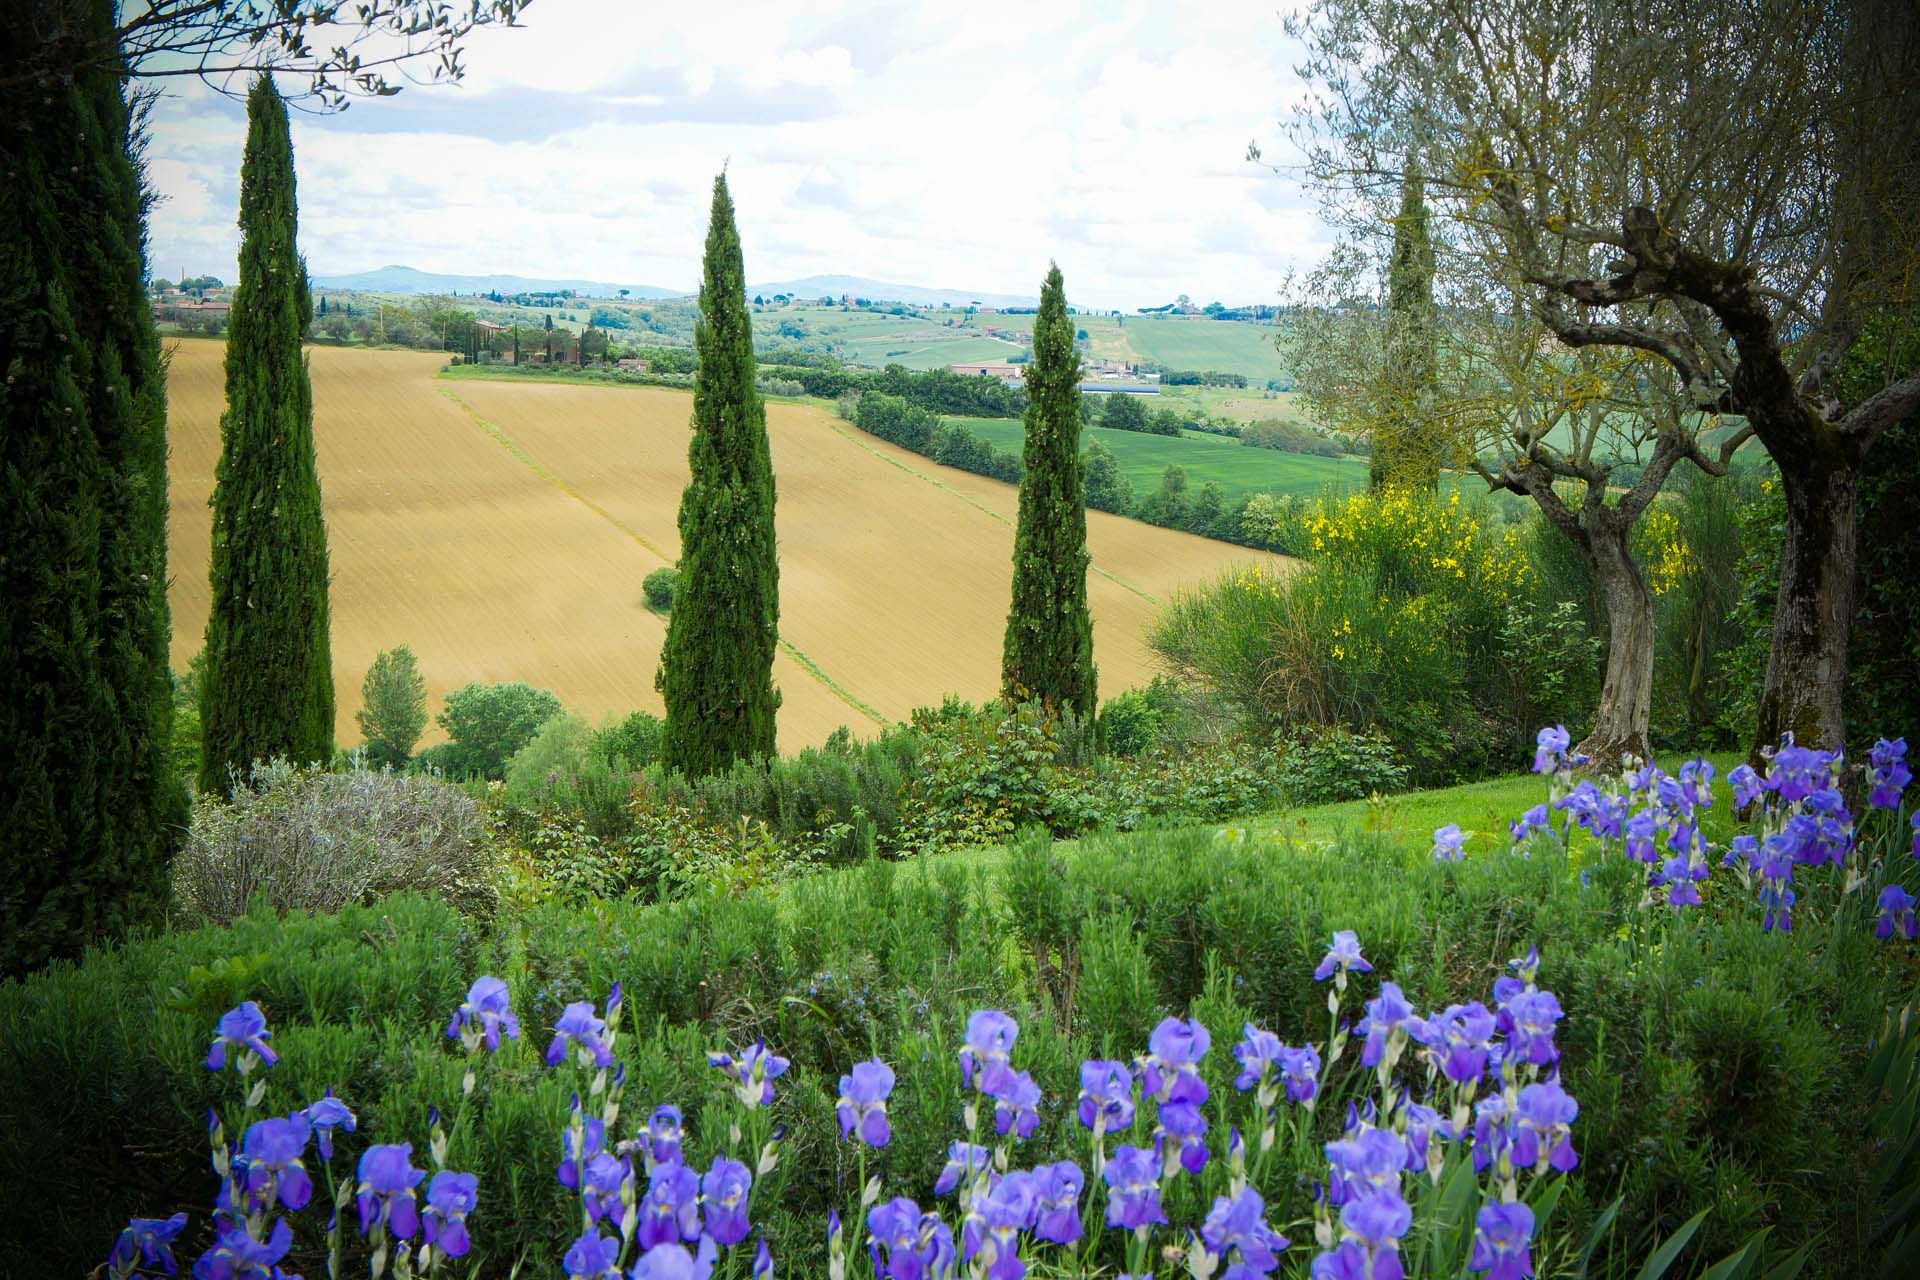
(1420,541)
(1658,543)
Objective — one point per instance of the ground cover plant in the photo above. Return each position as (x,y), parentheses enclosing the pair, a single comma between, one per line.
(1714,1054)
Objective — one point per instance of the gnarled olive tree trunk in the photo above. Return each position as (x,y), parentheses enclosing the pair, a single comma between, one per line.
(1621,721)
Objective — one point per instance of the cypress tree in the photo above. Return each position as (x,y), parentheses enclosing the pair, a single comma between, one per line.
(1405,447)
(716,670)
(89,810)
(268,689)
(1049,644)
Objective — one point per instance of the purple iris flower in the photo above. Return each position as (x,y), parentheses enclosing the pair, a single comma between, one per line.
(1502,1241)
(1016,1109)
(1598,813)
(147,1242)
(762,1262)
(985,1058)
(753,1072)
(1376,1223)
(270,1153)
(664,1132)
(894,1228)
(1796,772)
(1365,1165)
(1449,843)
(1550,749)
(450,1198)
(1057,1188)
(581,1026)
(673,1261)
(1300,1068)
(1492,1130)
(671,1210)
(1423,1125)
(1457,1041)
(594,1135)
(1344,955)
(1106,1090)
(723,1192)
(1236,1229)
(242,1027)
(1387,1014)
(1743,854)
(1543,1128)
(1776,873)
(1643,830)
(1681,875)
(1916,833)
(236,1255)
(605,1179)
(964,1160)
(1171,1071)
(1182,1136)
(1531,1017)
(593,1257)
(863,1102)
(1747,785)
(487,1006)
(386,1196)
(325,1115)
(1534,819)
(1345,1261)
(1257,1053)
(993,1230)
(1132,1176)
(1897,913)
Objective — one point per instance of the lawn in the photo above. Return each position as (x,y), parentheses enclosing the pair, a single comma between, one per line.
(1238,469)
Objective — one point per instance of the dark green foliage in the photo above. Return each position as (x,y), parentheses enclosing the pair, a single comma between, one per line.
(268,691)
(1883,659)
(486,724)
(1123,412)
(393,709)
(1715,1065)
(660,586)
(1404,448)
(1108,488)
(1336,764)
(716,669)
(1287,437)
(90,808)
(633,742)
(1049,645)
(898,421)
(1167,505)
(955,446)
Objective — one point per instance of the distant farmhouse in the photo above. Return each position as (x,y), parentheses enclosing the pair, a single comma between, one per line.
(1007,373)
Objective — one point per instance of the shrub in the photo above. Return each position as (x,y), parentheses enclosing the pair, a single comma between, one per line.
(1289,437)
(1130,723)
(311,841)
(393,707)
(487,723)
(660,587)
(1334,765)
(779,386)
(633,742)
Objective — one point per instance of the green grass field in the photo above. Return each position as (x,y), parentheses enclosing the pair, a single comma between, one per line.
(876,339)
(1230,346)
(1239,469)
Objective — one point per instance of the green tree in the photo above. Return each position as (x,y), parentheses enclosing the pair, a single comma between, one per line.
(1049,643)
(487,723)
(268,690)
(716,669)
(1404,450)
(89,808)
(1123,412)
(1108,488)
(393,707)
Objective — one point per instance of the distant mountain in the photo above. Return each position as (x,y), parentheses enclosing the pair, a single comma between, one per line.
(881,291)
(408,280)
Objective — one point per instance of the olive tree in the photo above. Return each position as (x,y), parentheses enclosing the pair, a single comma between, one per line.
(1726,187)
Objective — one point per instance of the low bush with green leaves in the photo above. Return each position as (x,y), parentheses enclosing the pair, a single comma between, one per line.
(486,724)
(1334,765)
(660,587)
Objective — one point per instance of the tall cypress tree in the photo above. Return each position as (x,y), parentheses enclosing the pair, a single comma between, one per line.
(89,811)
(268,689)
(1049,645)
(1406,448)
(716,670)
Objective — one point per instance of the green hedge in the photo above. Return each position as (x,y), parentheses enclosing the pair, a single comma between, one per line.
(1716,1066)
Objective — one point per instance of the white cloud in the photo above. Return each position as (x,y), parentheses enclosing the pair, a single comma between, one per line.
(899,141)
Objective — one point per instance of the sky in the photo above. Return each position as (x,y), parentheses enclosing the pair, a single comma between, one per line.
(943,145)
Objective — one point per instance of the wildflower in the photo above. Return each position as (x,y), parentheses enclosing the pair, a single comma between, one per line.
(1747,785)
(1542,1128)
(1501,1241)
(1600,814)
(1776,873)
(1423,1125)
(723,1193)
(1346,1261)
(580,1026)
(593,1132)
(1256,1053)
(664,1131)
(1550,749)
(1389,1017)
(242,1027)
(1643,830)
(985,1058)
(1890,773)
(1449,843)
(1681,875)
(1171,1070)
(484,1015)
(1897,913)
(762,1262)
(1367,1164)
(325,1115)
(993,1230)
(1182,1136)
(146,1242)
(236,1255)
(270,1154)
(1300,1068)
(753,1073)
(1457,1041)
(1534,819)
(1492,1130)
(863,1102)
(671,1209)
(1106,1095)
(1344,955)
(1237,1228)
(592,1257)
(1016,1109)
(1376,1223)
(672,1261)
(1132,1176)
(1057,1190)
(386,1196)
(964,1160)
(602,1187)
(899,1240)
(1531,1016)
(450,1198)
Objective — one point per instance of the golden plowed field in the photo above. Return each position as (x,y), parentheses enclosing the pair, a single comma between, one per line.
(502,529)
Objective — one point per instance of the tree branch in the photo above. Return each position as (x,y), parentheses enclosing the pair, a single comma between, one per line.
(1881,410)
